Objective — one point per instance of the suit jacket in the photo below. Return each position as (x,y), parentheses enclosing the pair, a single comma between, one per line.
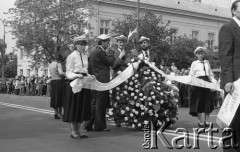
(99,64)
(119,64)
(229,53)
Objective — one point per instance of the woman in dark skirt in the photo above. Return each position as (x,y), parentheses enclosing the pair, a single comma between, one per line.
(201,101)
(77,107)
(58,89)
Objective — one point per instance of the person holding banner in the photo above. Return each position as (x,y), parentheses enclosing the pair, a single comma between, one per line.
(201,101)
(77,107)
(229,53)
(100,61)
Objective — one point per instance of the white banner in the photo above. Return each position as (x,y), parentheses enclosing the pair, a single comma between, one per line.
(229,107)
(89,83)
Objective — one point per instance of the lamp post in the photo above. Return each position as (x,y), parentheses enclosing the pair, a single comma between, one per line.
(3,50)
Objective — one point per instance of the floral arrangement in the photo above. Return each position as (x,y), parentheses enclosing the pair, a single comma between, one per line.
(145,96)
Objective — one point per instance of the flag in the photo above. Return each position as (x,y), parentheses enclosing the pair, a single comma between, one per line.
(132,34)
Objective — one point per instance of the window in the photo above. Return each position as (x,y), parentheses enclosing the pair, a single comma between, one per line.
(28,72)
(21,71)
(195,34)
(104,26)
(197,1)
(45,72)
(174,35)
(210,40)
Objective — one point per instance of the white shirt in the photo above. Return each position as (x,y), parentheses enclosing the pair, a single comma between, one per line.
(197,69)
(144,56)
(76,64)
(236,20)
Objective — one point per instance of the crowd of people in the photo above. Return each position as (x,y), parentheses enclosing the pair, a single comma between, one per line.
(26,86)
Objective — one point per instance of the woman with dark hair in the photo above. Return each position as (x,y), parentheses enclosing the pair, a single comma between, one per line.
(77,107)
(57,86)
(201,101)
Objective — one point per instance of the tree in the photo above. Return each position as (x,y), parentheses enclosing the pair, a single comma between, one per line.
(10,65)
(182,51)
(40,26)
(151,26)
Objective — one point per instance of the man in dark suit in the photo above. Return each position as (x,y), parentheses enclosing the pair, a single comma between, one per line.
(145,53)
(100,61)
(229,53)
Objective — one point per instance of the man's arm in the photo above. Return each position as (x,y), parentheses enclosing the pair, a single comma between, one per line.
(107,59)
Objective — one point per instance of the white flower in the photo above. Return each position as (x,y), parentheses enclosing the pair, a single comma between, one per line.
(150,104)
(156,115)
(158,88)
(158,84)
(131,115)
(139,125)
(132,94)
(161,93)
(122,112)
(131,83)
(144,97)
(152,93)
(167,119)
(153,97)
(162,102)
(136,112)
(110,113)
(135,120)
(132,60)
(149,98)
(117,97)
(133,110)
(127,108)
(159,122)
(126,81)
(117,88)
(140,94)
(142,113)
(125,92)
(110,91)
(137,104)
(145,122)
(126,87)
(133,78)
(135,81)
(136,75)
(157,102)
(135,97)
(150,111)
(126,118)
(133,125)
(136,86)
(155,78)
(146,109)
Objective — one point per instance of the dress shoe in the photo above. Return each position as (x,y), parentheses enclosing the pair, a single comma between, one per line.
(57,117)
(106,129)
(201,125)
(83,136)
(86,130)
(75,136)
(207,124)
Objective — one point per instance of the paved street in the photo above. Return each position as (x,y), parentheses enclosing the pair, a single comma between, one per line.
(27,125)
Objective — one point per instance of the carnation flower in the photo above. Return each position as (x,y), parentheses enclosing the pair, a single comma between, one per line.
(158,88)
(167,119)
(135,97)
(140,94)
(126,118)
(145,122)
(156,115)
(132,94)
(157,102)
(139,125)
(136,112)
(142,113)
(122,112)
(149,98)
(117,97)
(137,104)
(133,78)
(131,83)
(161,93)
(117,88)
(127,108)
(135,121)
(150,104)
(144,97)
(125,92)
(152,93)
(154,97)
(162,102)
(133,126)
(136,75)
(131,115)
(126,81)
(159,123)
(126,87)
(133,110)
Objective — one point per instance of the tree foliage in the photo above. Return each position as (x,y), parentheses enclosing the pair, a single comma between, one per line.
(150,25)
(40,26)
(10,70)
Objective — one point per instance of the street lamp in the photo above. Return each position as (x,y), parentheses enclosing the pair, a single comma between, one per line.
(3,51)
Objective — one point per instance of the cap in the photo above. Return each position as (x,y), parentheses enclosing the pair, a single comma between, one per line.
(80,38)
(143,38)
(103,37)
(121,38)
(200,49)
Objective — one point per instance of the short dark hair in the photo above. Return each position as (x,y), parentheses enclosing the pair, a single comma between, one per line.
(234,6)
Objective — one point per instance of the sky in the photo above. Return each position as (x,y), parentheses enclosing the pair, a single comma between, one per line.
(4,6)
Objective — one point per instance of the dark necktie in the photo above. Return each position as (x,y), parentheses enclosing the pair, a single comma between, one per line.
(204,68)
(146,54)
(81,59)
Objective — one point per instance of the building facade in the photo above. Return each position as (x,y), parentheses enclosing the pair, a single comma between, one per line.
(200,19)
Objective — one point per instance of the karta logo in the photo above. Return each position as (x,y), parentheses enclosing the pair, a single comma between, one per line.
(151,135)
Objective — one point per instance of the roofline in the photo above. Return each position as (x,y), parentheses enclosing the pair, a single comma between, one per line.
(131,4)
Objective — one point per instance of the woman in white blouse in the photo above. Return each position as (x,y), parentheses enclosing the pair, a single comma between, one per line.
(77,107)
(201,101)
